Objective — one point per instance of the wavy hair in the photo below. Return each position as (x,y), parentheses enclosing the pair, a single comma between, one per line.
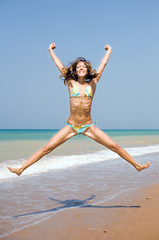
(70,72)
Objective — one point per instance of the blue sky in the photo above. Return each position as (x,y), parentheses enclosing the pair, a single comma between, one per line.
(33,97)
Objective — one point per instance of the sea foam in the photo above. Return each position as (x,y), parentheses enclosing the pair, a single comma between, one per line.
(57,163)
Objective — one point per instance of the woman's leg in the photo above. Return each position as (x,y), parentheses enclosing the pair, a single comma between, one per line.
(102,138)
(63,135)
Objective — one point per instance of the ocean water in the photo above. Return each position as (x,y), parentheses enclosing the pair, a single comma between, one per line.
(75,172)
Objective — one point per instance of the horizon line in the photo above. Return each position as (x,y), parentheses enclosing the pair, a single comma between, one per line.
(1,129)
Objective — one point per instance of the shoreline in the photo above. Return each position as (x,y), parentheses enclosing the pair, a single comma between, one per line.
(132,214)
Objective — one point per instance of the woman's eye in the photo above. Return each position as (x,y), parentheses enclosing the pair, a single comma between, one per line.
(81,66)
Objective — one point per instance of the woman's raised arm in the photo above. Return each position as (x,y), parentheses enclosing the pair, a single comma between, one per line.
(103,62)
(55,58)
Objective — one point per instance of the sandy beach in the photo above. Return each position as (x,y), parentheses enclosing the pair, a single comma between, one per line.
(81,191)
(131,215)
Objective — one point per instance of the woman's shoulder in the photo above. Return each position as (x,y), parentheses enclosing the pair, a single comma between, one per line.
(92,82)
(71,82)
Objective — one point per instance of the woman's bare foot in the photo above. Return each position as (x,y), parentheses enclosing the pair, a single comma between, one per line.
(141,167)
(18,171)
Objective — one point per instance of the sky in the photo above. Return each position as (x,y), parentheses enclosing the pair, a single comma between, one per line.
(33,96)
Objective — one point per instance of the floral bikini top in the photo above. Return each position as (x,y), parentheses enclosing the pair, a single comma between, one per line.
(75,92)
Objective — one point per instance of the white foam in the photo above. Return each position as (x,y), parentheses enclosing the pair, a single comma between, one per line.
(63,162)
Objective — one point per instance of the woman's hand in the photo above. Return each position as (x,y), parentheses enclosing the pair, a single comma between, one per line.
(107,47)
(52,46)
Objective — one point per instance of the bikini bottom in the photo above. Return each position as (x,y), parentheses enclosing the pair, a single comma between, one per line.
(81,129)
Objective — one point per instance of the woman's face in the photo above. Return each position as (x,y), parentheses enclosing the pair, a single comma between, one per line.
(81,69)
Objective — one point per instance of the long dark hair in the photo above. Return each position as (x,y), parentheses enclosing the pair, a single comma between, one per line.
(70,72)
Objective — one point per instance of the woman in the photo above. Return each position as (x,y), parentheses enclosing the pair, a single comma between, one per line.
(81,81)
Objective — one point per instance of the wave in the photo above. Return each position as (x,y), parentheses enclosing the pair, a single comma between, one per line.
(56,163)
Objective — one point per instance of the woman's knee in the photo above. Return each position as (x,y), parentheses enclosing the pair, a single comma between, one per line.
(46,150)
(114,147)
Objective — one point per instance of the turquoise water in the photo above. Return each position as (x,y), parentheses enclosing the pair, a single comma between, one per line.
(21,144)
(25,134)
(46,134)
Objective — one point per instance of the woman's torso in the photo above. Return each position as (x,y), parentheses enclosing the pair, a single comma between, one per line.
(81,96)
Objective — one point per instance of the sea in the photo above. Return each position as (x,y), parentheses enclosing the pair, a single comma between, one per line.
(76,172)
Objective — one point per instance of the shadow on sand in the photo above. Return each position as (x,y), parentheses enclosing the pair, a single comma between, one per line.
(72,204)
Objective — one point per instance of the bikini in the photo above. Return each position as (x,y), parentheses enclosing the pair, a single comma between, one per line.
(75,93)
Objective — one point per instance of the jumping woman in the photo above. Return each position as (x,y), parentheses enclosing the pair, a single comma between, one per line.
(81,80)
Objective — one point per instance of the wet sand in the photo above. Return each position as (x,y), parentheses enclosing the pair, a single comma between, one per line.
(131,215)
